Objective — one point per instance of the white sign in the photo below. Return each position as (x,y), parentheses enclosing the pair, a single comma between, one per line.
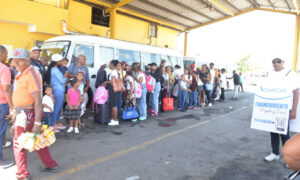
(295,123)
(271,107)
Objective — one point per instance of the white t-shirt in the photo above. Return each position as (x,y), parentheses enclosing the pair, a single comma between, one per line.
(48,101)
(184,84)
(141,74)
(178,73)
(114,73)
(128,79)
(213,74)
(285,77)
(223,80)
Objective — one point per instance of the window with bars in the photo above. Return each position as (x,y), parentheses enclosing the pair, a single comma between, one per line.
(98,17)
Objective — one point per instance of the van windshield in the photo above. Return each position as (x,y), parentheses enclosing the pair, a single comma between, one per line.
(55,47)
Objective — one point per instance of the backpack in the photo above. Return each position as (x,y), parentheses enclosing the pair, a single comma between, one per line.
(150,83)
(137,89)
(100,96)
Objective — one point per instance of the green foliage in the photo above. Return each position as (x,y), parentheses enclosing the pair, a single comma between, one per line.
(246,65)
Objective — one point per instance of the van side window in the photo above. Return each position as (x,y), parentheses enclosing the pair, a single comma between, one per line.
(106,55)
(86,50)
(129,56)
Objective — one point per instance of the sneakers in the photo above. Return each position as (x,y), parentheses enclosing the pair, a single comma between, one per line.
(134,120)
(71,129)
(113,123)
(56,130)
(142,118)
(53,169)
(7,144)
(76,130)
(60,126)
(272,157)
(6,163)
(209,105)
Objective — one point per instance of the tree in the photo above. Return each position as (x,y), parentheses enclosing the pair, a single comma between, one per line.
(245,64)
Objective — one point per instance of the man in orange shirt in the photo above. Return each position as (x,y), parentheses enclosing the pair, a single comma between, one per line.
(27,97)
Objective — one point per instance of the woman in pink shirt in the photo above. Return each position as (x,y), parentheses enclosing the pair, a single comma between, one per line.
(73,109)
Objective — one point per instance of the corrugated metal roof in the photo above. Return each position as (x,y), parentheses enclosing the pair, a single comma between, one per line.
(192,13)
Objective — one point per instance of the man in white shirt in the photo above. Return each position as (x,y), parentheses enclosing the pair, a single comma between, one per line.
(290,81)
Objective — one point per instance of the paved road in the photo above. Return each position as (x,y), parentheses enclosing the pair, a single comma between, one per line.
(208,144)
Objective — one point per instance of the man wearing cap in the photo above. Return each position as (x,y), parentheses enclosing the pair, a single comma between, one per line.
(6,104)
(35,62)
(278,79)
(27,97)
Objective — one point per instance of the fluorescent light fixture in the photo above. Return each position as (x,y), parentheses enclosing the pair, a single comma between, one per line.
(214,2)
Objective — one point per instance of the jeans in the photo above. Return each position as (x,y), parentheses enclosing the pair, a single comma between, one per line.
(141,103)
(48,117)
(59,101)
(208,95)
(120,103)
(179,96)
(236,91)
(194,99)
(4,110)
(183,99)
(222,97)
(275,141)
(155,97)
(21,154)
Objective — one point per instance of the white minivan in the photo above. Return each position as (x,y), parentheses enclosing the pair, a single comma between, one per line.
(99,51)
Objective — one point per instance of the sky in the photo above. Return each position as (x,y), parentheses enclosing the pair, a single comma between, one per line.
(263,35)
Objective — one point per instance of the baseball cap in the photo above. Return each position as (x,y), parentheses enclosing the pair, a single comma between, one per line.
(56,57)
(35,48)
(123,62)
(20,53)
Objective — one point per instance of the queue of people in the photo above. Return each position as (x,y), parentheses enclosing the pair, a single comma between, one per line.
(45,92)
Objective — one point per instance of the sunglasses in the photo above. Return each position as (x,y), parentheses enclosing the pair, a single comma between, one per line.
(278,61)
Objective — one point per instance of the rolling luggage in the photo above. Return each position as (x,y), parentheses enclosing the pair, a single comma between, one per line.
(102,113)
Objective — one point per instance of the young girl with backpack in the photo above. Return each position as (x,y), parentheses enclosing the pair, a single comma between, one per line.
(73,109)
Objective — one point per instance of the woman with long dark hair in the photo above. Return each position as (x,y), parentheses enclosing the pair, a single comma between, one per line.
(115,67)
(55,78)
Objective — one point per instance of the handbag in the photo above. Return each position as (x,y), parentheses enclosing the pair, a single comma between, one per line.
(118,85)
(168,103)
(130,112)
(209,86)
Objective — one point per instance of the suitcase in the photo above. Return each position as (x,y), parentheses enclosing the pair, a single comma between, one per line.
(101,113)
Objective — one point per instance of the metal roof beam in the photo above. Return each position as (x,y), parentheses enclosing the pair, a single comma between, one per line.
(288,5)
(169,11)
(232,6)
(269,1)
(296,6)
(155,15)
(221,19)
(118,5)
(214,2)
(209,5)
(190,8)
(253,3)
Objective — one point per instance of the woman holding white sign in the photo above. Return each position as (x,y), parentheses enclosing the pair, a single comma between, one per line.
(280,82)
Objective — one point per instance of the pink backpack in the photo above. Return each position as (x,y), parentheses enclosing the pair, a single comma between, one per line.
(150,83)
(100,96)
(137,89)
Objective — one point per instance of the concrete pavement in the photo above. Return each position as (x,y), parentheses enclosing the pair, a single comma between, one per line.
(213,143)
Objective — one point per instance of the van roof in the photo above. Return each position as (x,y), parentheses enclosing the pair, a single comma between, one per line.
(113,43)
